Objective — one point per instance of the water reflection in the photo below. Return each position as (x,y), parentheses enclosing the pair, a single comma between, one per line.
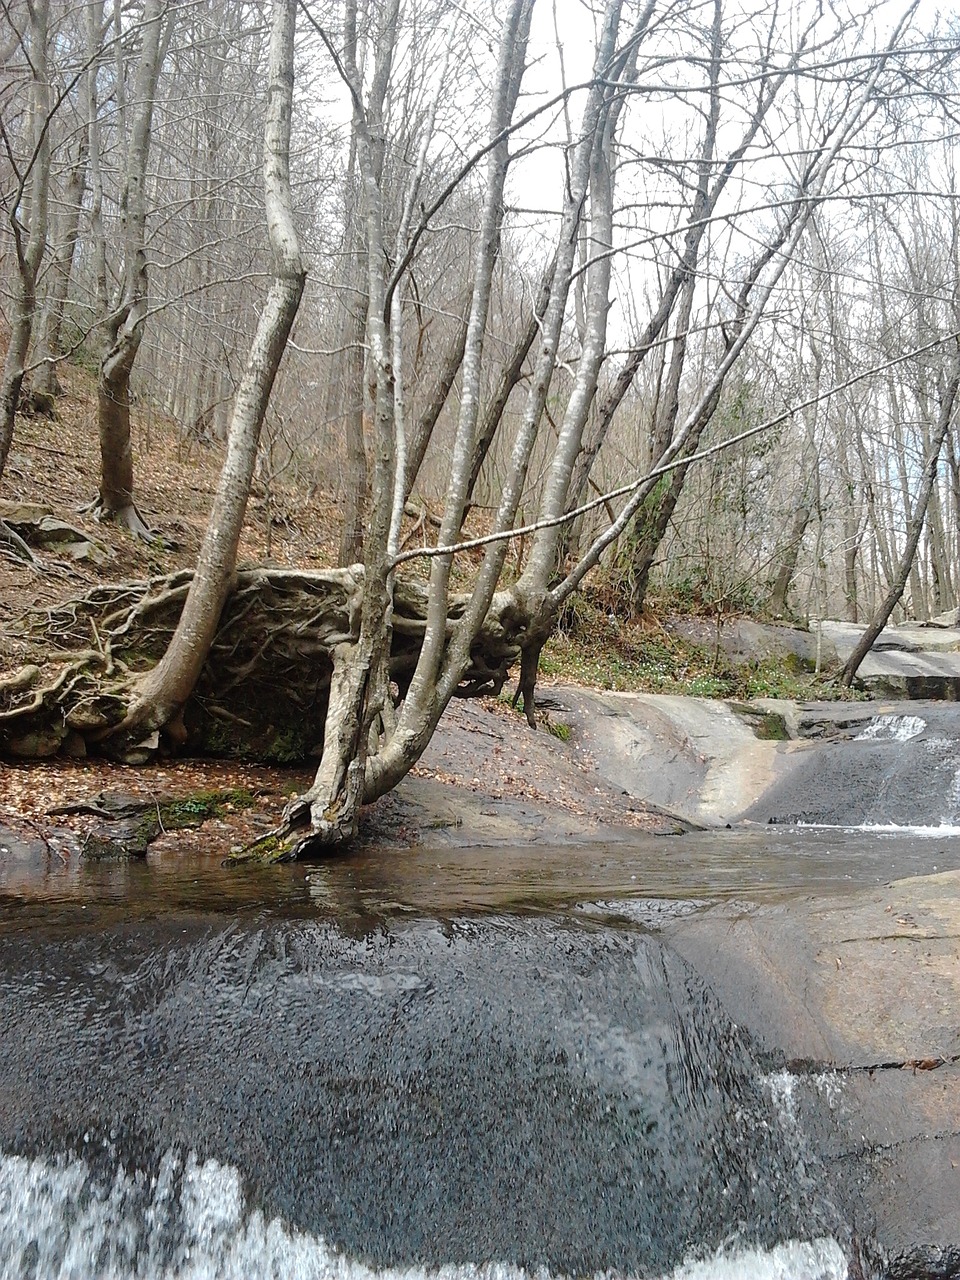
(770,863)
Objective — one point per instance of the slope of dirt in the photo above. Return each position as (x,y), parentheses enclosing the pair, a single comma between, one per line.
(55,465)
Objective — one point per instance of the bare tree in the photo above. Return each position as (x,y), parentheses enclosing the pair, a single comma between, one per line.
(26,211)
(66,226)
(123,327)
(160,696)
(699,223)
(948,402)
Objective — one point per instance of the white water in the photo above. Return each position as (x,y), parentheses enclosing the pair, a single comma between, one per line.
(940,831)
(892,729)
(57,1224)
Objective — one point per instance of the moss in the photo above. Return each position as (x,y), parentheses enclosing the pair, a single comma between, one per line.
(559,730)
(771,727)
(287,746)
(148,827)
(795,665)
(443,823)
(195,809)
(268,849)
(767,725)
(216,738)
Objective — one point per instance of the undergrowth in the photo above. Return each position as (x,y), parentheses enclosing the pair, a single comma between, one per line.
(595,648)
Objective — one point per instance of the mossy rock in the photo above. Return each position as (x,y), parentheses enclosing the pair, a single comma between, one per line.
(796,665)
(195,809)
(131,824)
(769,726)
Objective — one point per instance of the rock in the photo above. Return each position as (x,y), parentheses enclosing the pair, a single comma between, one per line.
(949,619)
(743,640)
(125,841)
(41,529)
(36,745)
(74,746)
(845,996)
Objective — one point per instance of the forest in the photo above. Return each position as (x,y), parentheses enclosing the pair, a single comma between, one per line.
(545,296)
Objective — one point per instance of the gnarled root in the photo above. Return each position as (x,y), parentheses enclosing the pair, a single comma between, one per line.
(15,548)
(129,518)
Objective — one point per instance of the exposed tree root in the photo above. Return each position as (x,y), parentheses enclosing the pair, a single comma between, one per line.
(263,691)
(288,648)
(127,517)
(15,548)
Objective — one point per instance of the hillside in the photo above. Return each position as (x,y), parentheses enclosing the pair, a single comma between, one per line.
(484,749)
(54,465)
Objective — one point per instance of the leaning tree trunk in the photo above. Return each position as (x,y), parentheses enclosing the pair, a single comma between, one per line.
(29,244)
(163,692)
(46,383)
(367,747)
(123,329)
(914,529)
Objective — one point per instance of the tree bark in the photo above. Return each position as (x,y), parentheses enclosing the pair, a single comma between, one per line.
(914,530)
(123,329)
(46,382)
(163,692)
(29,238)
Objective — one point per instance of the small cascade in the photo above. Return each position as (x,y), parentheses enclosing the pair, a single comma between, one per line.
(478,1100)
(892,729)
(192,1222)
(898,772)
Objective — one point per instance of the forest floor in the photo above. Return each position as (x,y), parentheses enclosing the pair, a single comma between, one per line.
(484,749)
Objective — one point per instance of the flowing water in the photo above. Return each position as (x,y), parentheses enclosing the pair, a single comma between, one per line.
(474,1064)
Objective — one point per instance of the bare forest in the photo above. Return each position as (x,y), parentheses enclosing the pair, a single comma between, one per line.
(544,296)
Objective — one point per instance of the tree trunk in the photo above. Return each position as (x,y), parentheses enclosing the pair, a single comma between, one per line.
(356,484)
(367,154)
(29,239)
(915,528)
(123,329)
(366,749)
(789,554)
(163,692)
(49,350)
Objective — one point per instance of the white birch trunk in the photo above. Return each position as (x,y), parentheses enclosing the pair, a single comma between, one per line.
(161,695)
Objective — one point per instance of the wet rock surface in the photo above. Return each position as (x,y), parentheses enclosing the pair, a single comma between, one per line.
(522,1090)
(860,999)
(894,762)
(850,1002)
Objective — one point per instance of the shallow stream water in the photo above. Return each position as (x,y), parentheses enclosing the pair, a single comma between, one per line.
(465,1062)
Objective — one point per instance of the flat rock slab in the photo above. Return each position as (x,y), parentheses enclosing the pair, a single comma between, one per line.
(487,778)
(910,661)
(860,997)
(908,638)
(743,640)
(694,757)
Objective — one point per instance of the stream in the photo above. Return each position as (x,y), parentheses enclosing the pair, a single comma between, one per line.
(459,1062)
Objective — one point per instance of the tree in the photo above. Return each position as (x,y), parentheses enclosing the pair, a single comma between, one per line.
(160,696)
(26,211)
(66,226)
(948,401)
(691,158)
(123,327)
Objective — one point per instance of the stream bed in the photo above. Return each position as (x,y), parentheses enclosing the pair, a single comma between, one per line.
(456,1062)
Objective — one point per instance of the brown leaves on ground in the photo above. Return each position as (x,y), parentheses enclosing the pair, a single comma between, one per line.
(29,792)
(57,465)
(484,747)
